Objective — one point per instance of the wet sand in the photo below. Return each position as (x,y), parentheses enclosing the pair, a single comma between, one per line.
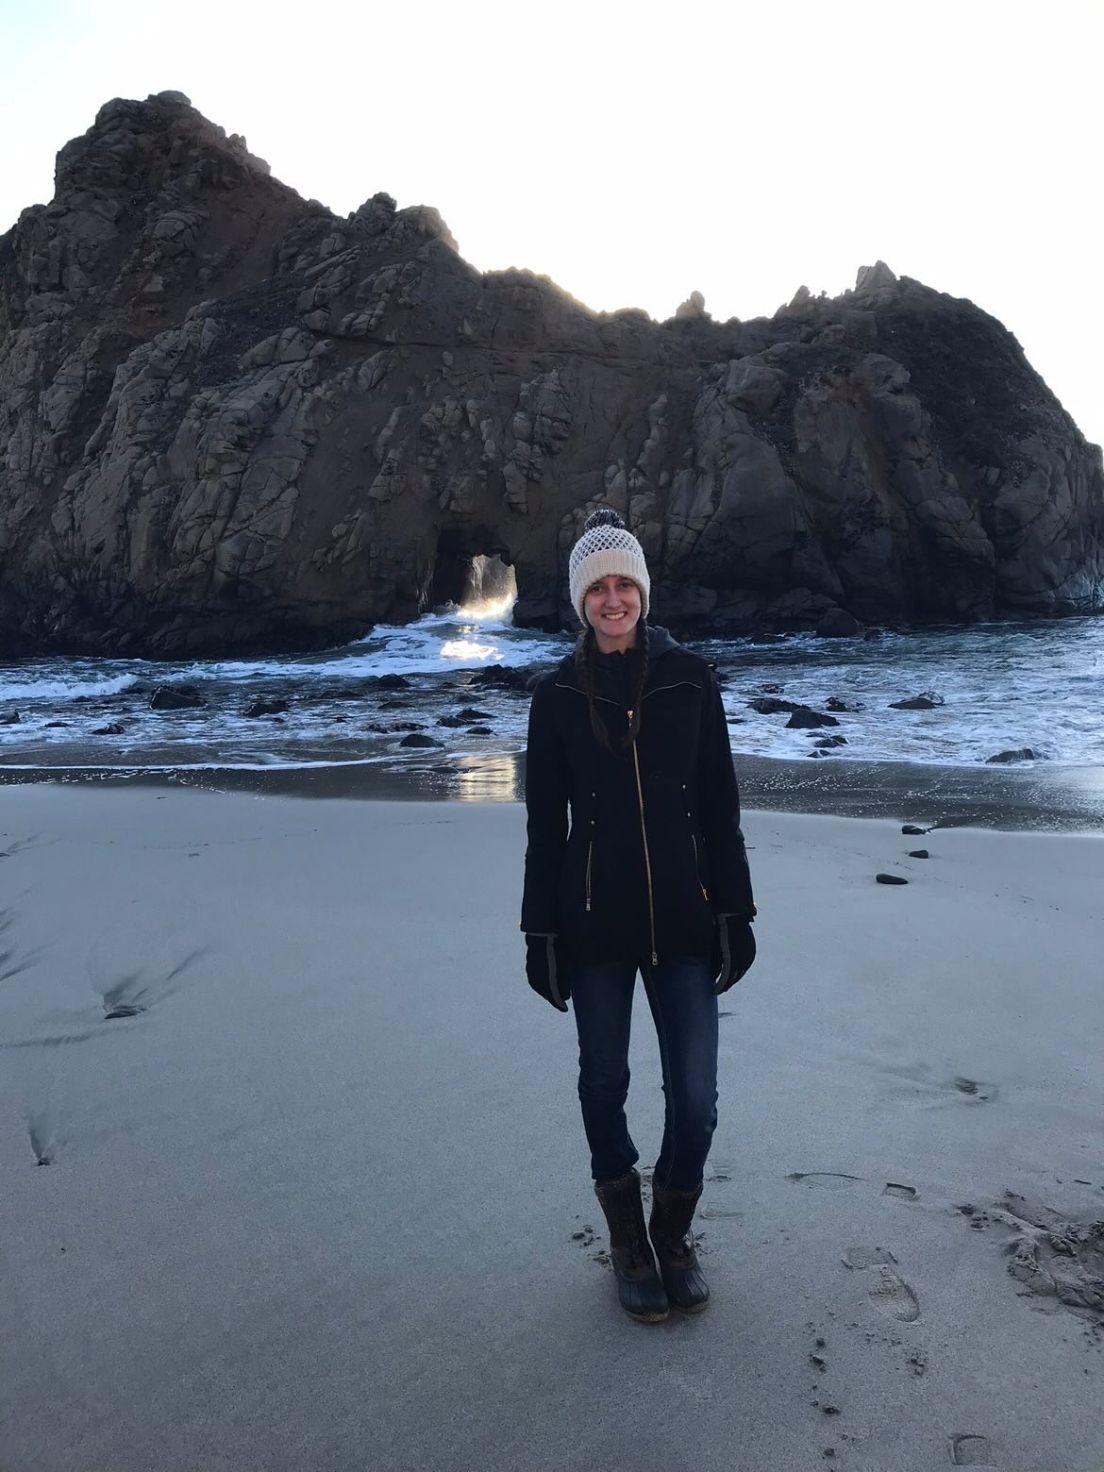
(1040,797)
(293,1174)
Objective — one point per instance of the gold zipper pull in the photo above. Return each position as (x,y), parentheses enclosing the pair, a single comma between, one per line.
(630,714)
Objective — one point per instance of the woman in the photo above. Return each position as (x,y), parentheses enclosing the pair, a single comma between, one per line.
(629,733)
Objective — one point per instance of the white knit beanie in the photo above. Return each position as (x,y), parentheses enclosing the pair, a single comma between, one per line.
(606,547)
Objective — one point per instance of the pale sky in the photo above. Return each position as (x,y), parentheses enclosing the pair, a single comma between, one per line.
(635,152)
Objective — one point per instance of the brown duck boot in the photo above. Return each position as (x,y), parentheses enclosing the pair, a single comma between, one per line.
(639,1287)
(672,1213)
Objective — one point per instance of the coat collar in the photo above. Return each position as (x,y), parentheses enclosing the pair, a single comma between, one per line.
(661,647)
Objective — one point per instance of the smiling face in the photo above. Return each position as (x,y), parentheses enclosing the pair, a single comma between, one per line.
(612,607)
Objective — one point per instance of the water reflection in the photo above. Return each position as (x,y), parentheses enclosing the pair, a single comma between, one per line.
(489,779)
(467,649)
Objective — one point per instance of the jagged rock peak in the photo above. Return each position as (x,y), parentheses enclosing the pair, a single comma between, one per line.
(692,307)
(378,214)
(874,278)
(374,215)
(133,144)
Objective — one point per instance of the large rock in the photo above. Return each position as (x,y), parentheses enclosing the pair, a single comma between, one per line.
(231,421)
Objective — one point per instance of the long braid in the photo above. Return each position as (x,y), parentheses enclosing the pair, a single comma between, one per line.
(641,675)
(585,647)
(584,664)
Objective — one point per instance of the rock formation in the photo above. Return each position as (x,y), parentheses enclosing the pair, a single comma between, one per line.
(231,421)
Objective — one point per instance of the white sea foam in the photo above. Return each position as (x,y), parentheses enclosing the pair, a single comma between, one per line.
(52,680)
(1004,686)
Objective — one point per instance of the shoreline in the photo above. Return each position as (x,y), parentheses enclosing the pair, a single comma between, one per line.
(1043,798)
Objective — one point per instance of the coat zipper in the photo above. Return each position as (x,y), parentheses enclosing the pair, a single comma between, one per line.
(647,855)
(640,801)
(697,870)
(590,853)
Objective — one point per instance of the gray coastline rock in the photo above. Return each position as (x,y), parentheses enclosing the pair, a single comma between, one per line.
(231,421)
(1019,754)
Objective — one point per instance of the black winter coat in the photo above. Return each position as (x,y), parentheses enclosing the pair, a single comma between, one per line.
(654,849)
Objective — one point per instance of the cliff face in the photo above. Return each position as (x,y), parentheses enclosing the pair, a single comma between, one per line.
(232,421)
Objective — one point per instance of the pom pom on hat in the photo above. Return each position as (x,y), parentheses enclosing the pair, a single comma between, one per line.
(604,516)
(606,547)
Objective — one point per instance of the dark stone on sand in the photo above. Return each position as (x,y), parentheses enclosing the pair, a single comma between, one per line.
(890,879)
(480,731)
(816,751)
(805,718)
(1024,754)
(919,853)
(267,708)
(407,725)
(769,705)
(10,720)
(114,729)
(911,828)
(470,714)
(50,725)
(835,703)
(837,740)
(417,739)
(176,697)
(394,705)
(926,701)
(837,623)
(388,682)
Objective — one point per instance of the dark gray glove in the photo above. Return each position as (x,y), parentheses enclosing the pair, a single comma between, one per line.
(543,970)
(733,951)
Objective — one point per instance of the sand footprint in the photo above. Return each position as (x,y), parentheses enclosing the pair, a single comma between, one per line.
(888,1291)
(18,846)
(43,1133)
(971,1451)
(129,991)
(893,1296)
(13,962)
(828,1180)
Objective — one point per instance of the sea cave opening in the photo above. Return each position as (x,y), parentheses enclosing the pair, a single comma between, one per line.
(479,584)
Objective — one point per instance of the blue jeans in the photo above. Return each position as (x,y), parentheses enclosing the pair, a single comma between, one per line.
(684,1009)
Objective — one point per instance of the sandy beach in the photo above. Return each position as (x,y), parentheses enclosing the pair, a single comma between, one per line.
(293,1175)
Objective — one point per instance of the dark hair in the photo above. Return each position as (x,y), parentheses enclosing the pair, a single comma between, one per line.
(585,649)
